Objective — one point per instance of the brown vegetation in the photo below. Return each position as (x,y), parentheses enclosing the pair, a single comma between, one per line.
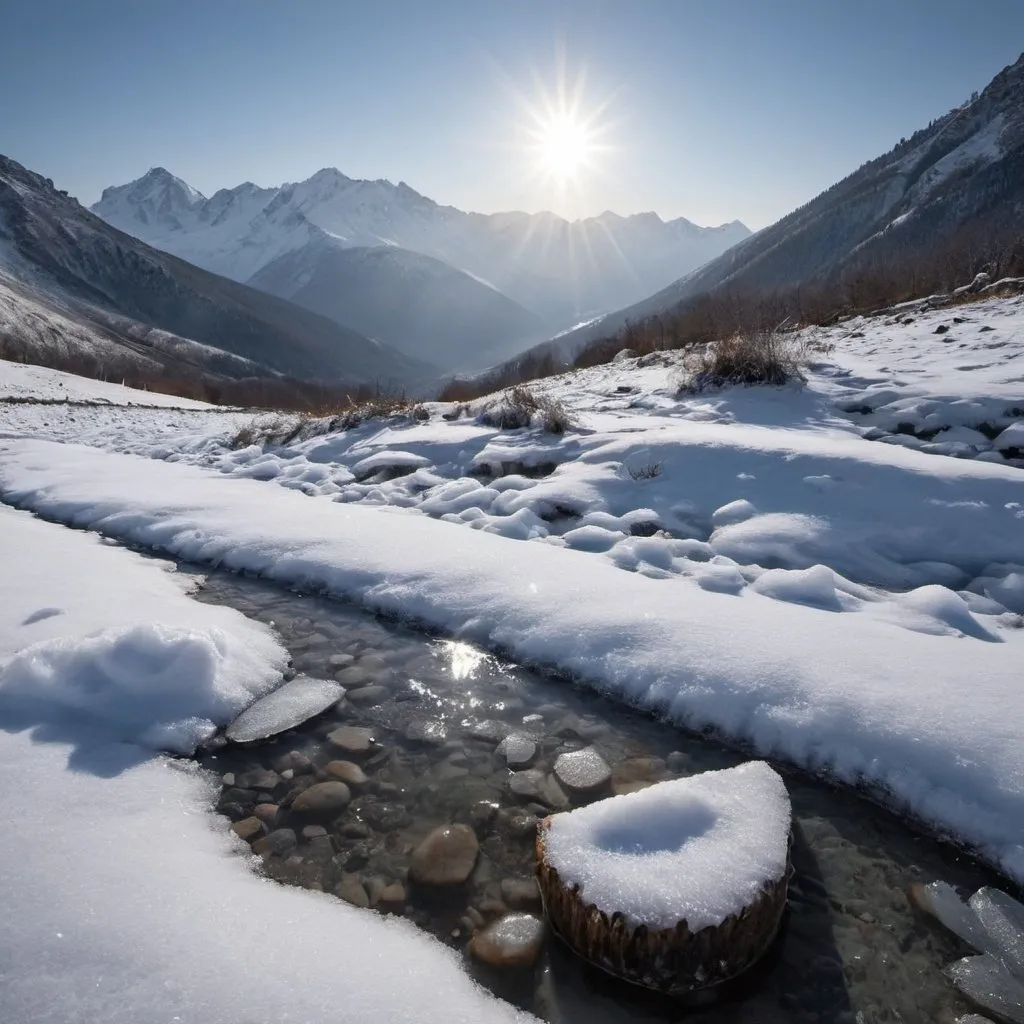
(518,408)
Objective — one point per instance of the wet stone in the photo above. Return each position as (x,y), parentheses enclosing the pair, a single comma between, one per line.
(512,941)
(248,828)
(313,832)
(295,762)
(353,740)
(446,857)
(426,730)
(583,771)
(351,890)
(521,893)
(266,812)
(489,730)
(280,842)
(382,816)
(259,779)
(369,696)
(348,772)
(518,750)
(323,798)
(339,661)
(533,784)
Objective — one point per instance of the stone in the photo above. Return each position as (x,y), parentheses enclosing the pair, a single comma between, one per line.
(368,696)
(512,941)
(391,898)
(266,813)
(353,740)
(314,832)
(426,730)
(248,828)
(583,771)
(352,677)
(323,798)
(262,779)
(533,784)
(348,772)
(521,893)
(489,729)
(351,890)
(482,813)
(679,762)
(518,750)
(354,830)
(446,857)
(228,780)
(295,762)
(337,661)
(373,663)
(622,788)
(384,817)
(280,842)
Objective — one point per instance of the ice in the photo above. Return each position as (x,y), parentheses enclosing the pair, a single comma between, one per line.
(941,900)
(695,849)
(987,982)
(1003,920)
(290,705)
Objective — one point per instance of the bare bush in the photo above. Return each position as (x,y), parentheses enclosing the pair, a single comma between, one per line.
(520,407)
(646,472)
(748,357)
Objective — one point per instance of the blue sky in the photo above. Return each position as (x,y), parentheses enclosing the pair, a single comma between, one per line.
(710,109)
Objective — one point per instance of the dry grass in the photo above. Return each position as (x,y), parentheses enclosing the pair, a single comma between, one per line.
(520,407)
(646,472)
(747,357)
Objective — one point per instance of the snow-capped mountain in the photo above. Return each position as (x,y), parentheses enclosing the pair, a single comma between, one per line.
(419,304)
(557,269)
(73,286)
(962,174)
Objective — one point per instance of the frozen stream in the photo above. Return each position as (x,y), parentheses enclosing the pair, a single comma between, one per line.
(853,948)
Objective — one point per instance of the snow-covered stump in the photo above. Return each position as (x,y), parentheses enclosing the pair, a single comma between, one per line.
(677,887)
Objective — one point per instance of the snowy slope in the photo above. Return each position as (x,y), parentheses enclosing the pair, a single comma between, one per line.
(777,564)
(556,269)
(125,897)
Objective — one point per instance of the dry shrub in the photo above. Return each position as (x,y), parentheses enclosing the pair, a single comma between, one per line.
(646,472)
(519,407)
(748,357)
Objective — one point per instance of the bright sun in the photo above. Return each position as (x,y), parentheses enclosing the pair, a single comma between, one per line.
(565,144)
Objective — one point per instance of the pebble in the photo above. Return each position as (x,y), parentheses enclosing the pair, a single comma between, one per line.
(313,832)
(482,813)
(489,729)
(228,779)
(281,841)
(353,740)
(348,772)
(248,828)
(351,890)
(266,812)
(521,893)
(337,661)
(446,857)
(259,778)
(368,696)
(512,941)
(426,730)
(533,784)
(352,677)
(583,771)
(518,750)
(323,798)
(391,898)
(295,762)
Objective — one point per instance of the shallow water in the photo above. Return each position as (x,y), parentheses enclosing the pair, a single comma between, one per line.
(852,949)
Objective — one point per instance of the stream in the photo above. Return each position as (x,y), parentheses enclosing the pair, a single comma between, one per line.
(852,948)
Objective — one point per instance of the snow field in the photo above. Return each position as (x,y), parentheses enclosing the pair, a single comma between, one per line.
(694,850)
(124,897)
(867,699)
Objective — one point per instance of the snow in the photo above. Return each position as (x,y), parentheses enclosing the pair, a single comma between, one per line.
(23,382)
(866,694)
(125,898)
(696,850)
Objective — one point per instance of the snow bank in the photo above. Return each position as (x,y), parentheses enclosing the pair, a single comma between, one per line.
(124,898)
(866,698)
(696,850)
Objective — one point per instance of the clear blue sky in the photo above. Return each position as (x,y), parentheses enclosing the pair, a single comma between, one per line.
(712,109)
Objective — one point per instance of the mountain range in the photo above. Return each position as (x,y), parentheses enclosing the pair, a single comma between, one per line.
(461,290)
(74,288)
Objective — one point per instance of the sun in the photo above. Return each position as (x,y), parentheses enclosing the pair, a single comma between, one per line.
(565,144)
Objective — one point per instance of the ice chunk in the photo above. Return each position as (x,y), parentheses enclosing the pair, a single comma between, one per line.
(695,849)
(941,901)
(290,705)
(1002,917)
(988,982)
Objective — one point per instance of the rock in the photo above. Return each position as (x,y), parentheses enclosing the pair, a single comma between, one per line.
(351,890)
(314,832)
(521,893)
(368,696)
(489,729)
(280,842)
(583,771)
(228,780)
(323,798)
(446,857)
(679,762)
(622,788)
(533,784)
(266,813)
(348,772)
(248,828)
(353,740)
(426,730)
(295,762)
(391,898)
(518,750)
(354,830)
(352,677)
(382,816)
(512,941)
(373,663)
(482,813)
(262,779)
(338,661)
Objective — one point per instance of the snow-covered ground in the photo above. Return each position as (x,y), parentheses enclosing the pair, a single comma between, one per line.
(833,573)
(125,899)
